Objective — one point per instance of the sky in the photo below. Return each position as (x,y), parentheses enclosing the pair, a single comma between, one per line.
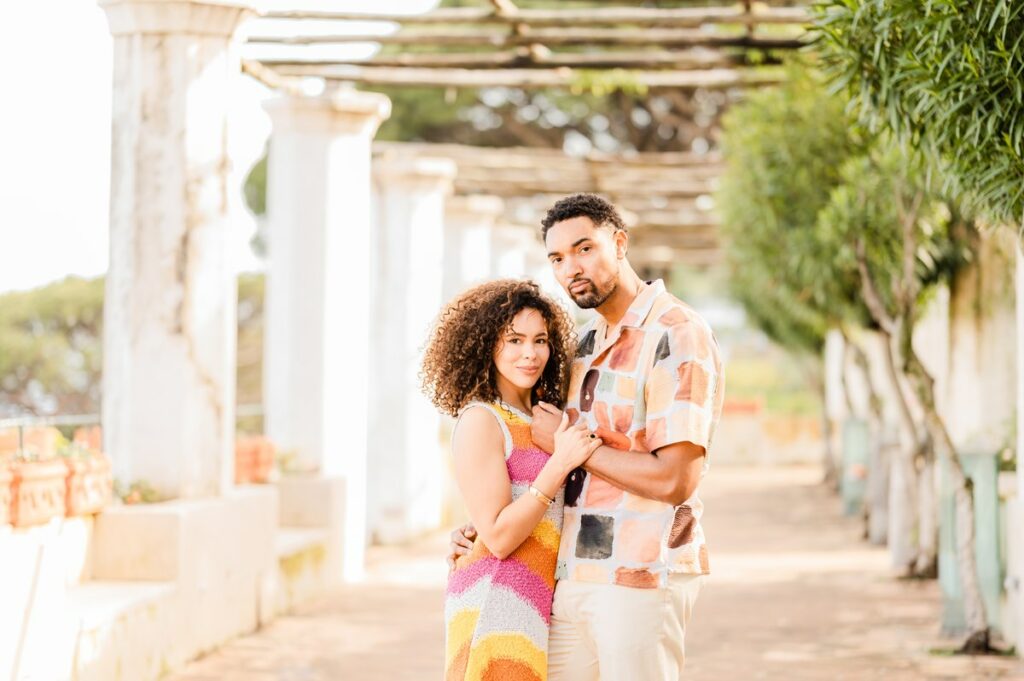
(55,102)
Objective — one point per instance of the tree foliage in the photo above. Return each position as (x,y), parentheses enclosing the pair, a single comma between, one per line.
(51,346)
(783,148)
(947,77)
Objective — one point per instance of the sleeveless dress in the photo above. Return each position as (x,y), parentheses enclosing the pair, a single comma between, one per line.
(498,612)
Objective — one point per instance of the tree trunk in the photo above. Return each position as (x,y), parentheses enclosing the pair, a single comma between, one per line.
(904,506)
(830,476)
(974,606)
(876,501)
(926,565)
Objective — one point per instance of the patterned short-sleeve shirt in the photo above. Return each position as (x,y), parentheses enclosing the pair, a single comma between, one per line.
(652,380)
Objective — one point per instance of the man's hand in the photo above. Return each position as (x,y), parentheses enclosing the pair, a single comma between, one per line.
(546,418)
(461,544)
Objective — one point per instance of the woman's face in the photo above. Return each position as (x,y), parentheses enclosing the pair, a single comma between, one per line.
(523,350)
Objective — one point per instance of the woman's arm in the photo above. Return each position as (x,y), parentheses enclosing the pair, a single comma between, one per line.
(480,471)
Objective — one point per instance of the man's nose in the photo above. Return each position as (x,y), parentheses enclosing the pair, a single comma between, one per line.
(572,267)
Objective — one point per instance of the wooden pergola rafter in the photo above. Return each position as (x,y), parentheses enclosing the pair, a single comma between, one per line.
(666,197)
(507,46)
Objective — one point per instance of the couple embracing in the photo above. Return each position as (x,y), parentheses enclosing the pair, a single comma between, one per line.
(578,456)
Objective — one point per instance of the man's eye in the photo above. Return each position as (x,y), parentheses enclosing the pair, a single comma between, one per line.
(584,249)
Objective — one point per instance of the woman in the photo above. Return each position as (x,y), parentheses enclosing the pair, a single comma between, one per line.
(495,351)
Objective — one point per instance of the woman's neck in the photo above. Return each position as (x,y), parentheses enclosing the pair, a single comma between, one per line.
(516,397)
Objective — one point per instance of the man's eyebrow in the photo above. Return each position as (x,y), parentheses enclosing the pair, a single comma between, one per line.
(574,245)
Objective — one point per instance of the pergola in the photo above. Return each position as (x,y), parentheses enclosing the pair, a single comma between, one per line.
(667,196)
(359,254)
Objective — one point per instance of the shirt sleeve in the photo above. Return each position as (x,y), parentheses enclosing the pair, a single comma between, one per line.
(684,388)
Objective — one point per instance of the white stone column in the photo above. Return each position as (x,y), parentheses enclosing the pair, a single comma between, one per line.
(316,372)
(406,482)
(509,256)
(169,325)
(468,241)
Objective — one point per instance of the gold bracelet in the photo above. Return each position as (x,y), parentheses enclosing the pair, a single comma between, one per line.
(540,496)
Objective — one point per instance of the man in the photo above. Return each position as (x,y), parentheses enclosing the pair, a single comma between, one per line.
(647,379)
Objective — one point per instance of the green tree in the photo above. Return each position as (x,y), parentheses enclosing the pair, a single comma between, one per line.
(783,148)
(945,76)
(948,78)
(887,221)
(51,347)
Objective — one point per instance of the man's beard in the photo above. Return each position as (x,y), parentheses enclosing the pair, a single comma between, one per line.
(591,297)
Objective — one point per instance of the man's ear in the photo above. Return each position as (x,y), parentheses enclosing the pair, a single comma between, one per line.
(621,243)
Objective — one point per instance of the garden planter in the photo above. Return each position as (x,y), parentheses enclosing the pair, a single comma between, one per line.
(254,460)
(89,484)
(38,491)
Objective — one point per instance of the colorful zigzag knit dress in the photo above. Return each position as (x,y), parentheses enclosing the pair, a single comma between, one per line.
(497,612)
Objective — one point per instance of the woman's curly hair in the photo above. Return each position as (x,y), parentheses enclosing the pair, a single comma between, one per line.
(458,366)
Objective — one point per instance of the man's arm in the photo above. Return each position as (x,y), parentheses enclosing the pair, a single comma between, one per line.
(669,474)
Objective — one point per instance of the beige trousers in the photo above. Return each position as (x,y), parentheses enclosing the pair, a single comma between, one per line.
(619,633)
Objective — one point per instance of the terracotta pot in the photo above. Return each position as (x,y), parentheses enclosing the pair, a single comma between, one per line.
(39,442)
(38,491)
(89,484)
(254,460)
(89,437)
(6,480)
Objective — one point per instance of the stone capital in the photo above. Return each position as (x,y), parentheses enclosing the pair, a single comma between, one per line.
(481,208)
(415,172)
(189,17)
(342,112)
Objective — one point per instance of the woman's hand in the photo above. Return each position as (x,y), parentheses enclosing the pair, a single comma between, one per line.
(574,444)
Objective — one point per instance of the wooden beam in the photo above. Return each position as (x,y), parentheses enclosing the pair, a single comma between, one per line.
(523,58)
(687,17)
(532,157)
(666,38)
(487,182)
(533,78)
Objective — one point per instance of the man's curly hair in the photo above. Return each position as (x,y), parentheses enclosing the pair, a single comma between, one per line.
(458,366)
(601,211)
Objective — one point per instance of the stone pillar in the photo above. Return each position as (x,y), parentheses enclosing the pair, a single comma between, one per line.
(406,480)
(169,325)
(316,374)
(469,224)
(509,256)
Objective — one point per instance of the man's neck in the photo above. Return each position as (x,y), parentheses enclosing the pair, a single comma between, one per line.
(628,288)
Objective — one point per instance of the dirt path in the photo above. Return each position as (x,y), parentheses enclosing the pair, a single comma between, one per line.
(794,595)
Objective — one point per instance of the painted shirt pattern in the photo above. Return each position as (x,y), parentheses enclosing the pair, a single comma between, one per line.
(654,379)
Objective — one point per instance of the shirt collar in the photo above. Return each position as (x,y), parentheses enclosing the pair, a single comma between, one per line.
(635,316)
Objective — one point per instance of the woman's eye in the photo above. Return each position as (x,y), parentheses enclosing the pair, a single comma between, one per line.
(542,341)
